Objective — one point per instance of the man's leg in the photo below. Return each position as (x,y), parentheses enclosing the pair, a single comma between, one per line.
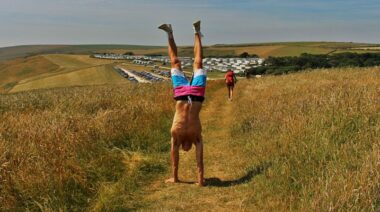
(175,162)
(172,47)
(231,92)
(198,50)
(199,156)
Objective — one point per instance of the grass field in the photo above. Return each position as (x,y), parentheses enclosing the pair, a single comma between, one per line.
(299,142)
(261,49)
(11,72)
(51,60)
(55,70)
(266,49)
(67,71)
(98,75)
(72,62)
(81,148)
(8,53)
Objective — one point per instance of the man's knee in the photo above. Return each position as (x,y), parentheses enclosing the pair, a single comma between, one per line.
(176,63)
(197,65)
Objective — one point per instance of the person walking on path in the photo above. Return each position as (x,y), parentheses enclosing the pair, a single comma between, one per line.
(186,128)
(230,80)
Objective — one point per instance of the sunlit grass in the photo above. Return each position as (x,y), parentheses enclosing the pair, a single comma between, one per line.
(61,148)
(305,142)
(319,133)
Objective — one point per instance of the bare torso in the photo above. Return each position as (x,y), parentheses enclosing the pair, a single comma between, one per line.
(186,129)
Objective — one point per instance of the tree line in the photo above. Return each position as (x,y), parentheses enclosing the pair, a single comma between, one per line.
(284,65)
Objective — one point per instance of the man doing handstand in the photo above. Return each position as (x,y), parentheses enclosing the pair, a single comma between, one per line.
(186,129)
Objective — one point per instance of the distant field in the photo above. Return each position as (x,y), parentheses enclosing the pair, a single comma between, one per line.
(56,70)
(88,76)
(295,48)
(276,50)
(269,49)
(8,53)
(261,49)
(74,61)
(32,72)
(11,72)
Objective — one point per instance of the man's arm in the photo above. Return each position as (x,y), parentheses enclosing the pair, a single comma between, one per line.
(199,156)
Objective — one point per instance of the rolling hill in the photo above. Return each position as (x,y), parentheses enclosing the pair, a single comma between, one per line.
(56,70)
(299,142)
(52,65)
(261,49)
(7,53)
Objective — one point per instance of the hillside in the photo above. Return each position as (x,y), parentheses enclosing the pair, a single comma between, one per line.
(52,64)
(47,71)
(74,70)
(261,49)
(8,53)
(305,141)
(63,70)
(11,72)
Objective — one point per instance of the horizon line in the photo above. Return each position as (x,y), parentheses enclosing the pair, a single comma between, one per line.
(216,44)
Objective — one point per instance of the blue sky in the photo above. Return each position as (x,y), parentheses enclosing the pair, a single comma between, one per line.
(237,21)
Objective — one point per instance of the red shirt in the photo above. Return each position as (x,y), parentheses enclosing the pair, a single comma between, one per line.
(230,77)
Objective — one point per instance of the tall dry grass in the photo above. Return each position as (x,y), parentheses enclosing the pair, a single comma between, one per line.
(318,135)
(81,148)
(314,137)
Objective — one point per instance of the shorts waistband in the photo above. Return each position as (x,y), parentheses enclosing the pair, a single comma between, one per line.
(192,97)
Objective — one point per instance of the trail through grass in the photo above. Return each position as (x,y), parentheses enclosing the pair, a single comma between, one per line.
(227,173)
(283,144)
(299,142)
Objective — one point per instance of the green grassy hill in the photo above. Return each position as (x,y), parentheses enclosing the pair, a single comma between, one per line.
(98,75)
(56,70)
(299,142)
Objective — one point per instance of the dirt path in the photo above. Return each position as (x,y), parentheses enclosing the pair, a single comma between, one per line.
(225,171)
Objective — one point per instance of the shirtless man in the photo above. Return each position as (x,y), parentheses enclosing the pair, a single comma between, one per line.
(186,129)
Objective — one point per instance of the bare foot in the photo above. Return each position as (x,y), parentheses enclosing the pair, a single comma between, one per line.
(171,180)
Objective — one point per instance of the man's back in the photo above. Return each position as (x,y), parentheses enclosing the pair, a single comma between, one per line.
(186,124)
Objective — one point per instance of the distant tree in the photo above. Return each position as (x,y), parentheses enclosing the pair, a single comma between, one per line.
(284,65)
(244,55)
(153,55)
(129,53)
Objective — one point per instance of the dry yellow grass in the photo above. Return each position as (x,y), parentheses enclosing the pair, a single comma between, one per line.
(13,71)
(263,50)
(320,133)
(58,147)
(42,68)
(75,61)
(279,50)
(97,75)
(304,142)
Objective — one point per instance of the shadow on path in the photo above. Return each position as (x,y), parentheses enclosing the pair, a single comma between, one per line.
(216,182)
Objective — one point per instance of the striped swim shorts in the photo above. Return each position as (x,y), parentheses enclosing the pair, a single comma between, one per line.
(183,88)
